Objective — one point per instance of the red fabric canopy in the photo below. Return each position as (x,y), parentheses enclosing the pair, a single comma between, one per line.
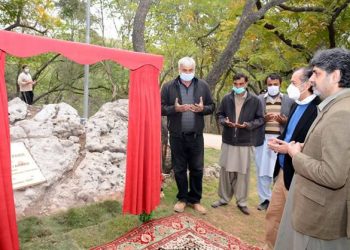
(22,45)
(142,189)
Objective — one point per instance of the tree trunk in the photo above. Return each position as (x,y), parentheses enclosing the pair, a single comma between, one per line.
(248,17)
(138,36)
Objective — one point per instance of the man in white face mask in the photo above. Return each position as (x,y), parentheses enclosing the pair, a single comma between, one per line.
(185,102)
(276,107)
(302,114)
(26,84)
(298,90)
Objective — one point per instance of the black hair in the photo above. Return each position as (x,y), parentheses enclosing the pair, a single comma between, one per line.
(334,59)
(239,76)
(306,73)
(274,76)
(24,66)
(305,76)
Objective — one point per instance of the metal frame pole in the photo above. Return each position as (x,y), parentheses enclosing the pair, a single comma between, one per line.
(86,67)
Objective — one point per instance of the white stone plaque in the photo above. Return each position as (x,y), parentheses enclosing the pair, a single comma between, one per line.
(25,172)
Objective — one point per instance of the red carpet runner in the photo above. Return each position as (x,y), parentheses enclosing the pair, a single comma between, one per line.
(179,231)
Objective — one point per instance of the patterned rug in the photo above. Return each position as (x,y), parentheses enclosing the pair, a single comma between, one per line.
(179,231)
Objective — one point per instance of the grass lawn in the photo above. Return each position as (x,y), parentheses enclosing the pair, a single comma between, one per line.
(85,227)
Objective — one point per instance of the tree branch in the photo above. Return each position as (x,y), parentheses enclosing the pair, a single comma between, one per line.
(15,25)
(267,6)
(52,90)
(248,17)
(92,88)
(44,66)
(222,84)
(301,9)
(330,27)
(17,22)
(210,32)
(281,36)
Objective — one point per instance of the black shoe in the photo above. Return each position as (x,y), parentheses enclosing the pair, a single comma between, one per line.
(264,205)
(218,204)
(244,209)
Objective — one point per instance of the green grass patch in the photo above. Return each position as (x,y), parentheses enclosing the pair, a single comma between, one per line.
(211,156)
(78,228)
(96,224)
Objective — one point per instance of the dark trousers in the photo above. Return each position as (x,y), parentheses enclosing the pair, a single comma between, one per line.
(27,97)
(187,152)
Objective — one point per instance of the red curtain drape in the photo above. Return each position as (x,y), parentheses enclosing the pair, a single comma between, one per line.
(8,228)
(142,190)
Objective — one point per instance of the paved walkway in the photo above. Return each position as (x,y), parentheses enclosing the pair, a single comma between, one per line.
(212,141)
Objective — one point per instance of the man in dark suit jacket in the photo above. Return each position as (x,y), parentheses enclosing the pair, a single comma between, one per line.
(303,113)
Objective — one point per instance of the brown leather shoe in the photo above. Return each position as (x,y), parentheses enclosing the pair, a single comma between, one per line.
(244,209)
(199,208)
(179,206)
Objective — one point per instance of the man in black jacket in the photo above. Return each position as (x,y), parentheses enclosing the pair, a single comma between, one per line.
(185,102)
(240,113)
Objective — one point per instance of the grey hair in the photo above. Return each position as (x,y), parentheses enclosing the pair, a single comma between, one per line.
(334,59)
(187,62)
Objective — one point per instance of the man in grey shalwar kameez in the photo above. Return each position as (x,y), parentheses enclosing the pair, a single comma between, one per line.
(240,113)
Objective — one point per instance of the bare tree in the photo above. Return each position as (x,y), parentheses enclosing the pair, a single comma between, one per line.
(249,16)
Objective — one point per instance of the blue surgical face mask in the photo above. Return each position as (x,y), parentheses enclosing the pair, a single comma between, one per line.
(238,91)
(186,77)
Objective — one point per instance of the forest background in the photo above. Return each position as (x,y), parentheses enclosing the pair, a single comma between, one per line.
(256,37)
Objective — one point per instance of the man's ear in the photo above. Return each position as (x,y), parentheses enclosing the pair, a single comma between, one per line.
(336,76)
(308,84)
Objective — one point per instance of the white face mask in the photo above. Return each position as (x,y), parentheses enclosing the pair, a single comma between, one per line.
(293,92)
(26,70)
(186,77)
(273,90)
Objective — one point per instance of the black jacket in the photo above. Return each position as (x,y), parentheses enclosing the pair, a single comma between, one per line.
(171,91)
(299,135)
(251,113)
